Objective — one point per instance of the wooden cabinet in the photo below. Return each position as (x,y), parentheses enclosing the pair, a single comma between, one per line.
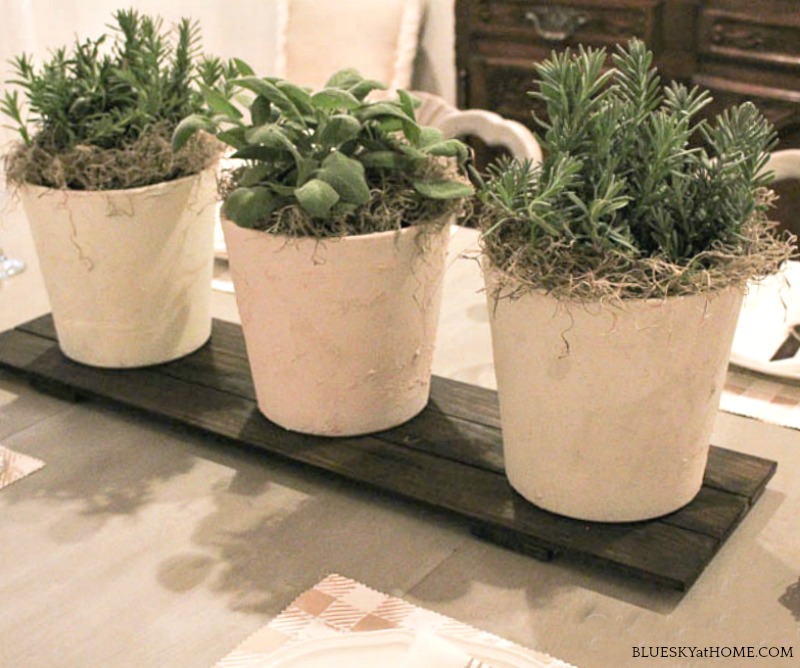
(498,41)
(738,49)
(750,50)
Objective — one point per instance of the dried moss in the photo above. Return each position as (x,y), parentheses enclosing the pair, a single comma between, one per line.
(394,204)
(572,272)
(147,160)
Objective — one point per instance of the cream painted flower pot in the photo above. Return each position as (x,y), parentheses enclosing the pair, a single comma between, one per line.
(339,332)
(607,411)
(128,272)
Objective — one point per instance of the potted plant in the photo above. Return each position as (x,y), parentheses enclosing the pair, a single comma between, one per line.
(336,221)
(615,271)
(123,225)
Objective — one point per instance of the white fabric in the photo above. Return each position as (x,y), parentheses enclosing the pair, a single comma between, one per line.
(377,37)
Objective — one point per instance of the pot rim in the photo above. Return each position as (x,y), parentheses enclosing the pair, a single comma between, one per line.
(447,222)
(614,302)
(153,187)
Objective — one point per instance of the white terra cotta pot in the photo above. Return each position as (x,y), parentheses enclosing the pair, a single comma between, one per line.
(607,411)
(128,272)
(339,332)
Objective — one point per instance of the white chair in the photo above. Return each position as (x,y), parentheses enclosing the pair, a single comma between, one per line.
(785,164)
(491,128)
(767,337)
(379,38)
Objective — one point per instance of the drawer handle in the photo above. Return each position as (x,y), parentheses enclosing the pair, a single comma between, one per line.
(555,24)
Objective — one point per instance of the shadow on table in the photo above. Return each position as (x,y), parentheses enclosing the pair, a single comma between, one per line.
(790,599)
(279,528)
(105,463)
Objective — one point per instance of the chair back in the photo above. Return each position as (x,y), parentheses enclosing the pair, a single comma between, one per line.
(785,164)
(491,128)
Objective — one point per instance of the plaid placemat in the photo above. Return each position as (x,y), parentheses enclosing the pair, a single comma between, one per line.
(14,466)
(340,605)
(761,397)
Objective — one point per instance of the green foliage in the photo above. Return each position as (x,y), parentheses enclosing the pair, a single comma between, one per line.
(108,92)
(623,172)
(328,153)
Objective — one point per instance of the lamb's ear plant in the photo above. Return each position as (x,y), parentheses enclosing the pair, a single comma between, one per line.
(100,116)
(635,197)
(330,163)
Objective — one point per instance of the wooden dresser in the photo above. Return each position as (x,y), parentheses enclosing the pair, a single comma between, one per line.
(739,49)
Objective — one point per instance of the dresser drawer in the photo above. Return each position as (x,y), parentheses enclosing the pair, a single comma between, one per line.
(780,106)
(551,24)
(501,85)
(756,38)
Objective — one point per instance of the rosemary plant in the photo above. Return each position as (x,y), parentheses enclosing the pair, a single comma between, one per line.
(331,163)
(102,114)
(635,197)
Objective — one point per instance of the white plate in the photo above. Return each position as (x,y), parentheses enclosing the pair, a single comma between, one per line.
(770,310)
(385,649)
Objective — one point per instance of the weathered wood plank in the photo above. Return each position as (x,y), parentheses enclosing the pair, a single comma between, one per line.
(668,556)
(451,437)
(468,402)
(712,512)
(449,457)
(737,473)
(227,350)
(447,429)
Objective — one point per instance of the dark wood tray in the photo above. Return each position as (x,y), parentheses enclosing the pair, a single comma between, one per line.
(450,456)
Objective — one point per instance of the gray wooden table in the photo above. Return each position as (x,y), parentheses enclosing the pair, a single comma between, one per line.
(142,544)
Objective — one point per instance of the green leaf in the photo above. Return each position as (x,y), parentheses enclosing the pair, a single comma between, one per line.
(339,129)
(188,126)
(365,87)
(256,85)
(233,137)
(390,125)
(305,168)
(282,190)
(382,160)
(256,152)
(316,197)
(346,175)
(411,131)
(443,189)
(384,110)
(346,78)
(450,148)
(412,153)
(299,96)
(269,90)
(251,176)
(334,98)
(260,110)
(408,103)
(429,136)
(249,206)
(271,136)
(243,68)
(219,104)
